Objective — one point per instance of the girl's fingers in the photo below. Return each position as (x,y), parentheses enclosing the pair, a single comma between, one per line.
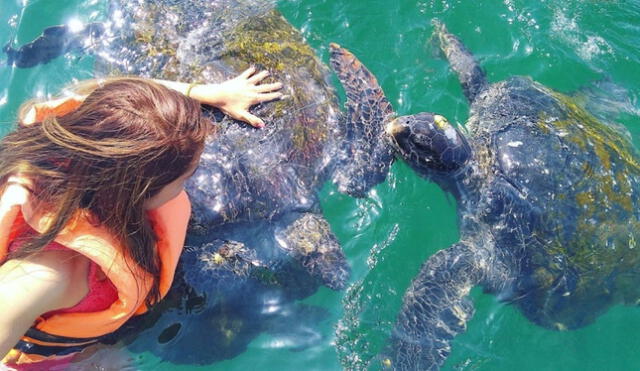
(248,72)
(253,120)
(268,87)
(269,96)
(258,77)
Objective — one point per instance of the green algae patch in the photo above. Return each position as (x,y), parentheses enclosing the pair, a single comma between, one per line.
(607,140)
(270,42)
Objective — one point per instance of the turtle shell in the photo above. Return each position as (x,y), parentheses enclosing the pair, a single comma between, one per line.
(244,172)
(582,175)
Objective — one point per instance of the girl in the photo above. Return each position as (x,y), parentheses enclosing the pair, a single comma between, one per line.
(93,214)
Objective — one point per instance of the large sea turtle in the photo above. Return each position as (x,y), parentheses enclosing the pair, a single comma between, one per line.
(257,237)
(548,209)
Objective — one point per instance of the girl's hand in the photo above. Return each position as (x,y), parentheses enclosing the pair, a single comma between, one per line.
(235,96)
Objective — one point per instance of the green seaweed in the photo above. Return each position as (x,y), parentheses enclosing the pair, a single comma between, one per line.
(270,42)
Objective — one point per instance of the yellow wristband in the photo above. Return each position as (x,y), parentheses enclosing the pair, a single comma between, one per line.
(191,86)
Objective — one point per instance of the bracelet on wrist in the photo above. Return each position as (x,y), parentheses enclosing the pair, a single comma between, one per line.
(191,86)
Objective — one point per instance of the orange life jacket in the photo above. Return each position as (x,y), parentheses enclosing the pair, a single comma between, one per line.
(66,333)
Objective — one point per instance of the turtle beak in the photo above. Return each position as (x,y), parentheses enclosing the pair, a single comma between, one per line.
(394,128)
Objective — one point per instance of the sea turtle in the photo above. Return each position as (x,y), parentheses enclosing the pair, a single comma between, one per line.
(257,238)
(548,197)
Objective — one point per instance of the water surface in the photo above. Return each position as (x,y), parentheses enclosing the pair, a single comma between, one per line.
(563,44)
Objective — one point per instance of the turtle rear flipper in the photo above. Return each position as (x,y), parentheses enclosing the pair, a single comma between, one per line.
(367,155)
(309,240)
(471,76)
(54,42)
(435,309)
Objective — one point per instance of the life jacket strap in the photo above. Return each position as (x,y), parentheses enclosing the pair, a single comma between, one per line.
(43,344)
(48,350)
(38,335)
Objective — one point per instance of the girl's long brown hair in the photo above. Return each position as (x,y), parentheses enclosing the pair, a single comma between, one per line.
(126,141)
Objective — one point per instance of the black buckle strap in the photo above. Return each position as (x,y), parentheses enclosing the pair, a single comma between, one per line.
(36,334)
(48,350)
(67,345)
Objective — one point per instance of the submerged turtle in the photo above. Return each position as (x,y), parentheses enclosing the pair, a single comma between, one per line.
(257,237)
(548,198)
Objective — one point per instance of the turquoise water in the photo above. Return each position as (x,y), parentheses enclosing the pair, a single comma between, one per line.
(563,44)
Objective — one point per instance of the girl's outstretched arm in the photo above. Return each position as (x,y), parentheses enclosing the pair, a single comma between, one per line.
(234,96)
(38,284)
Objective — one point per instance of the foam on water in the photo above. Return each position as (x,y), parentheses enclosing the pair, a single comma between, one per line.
(587,44)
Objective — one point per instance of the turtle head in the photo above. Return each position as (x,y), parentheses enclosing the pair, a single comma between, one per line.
(428,143)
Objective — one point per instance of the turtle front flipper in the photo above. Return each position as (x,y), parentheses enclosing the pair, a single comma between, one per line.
(469,73)
(435,309)
(54,42)
(309,240)
(366,155)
